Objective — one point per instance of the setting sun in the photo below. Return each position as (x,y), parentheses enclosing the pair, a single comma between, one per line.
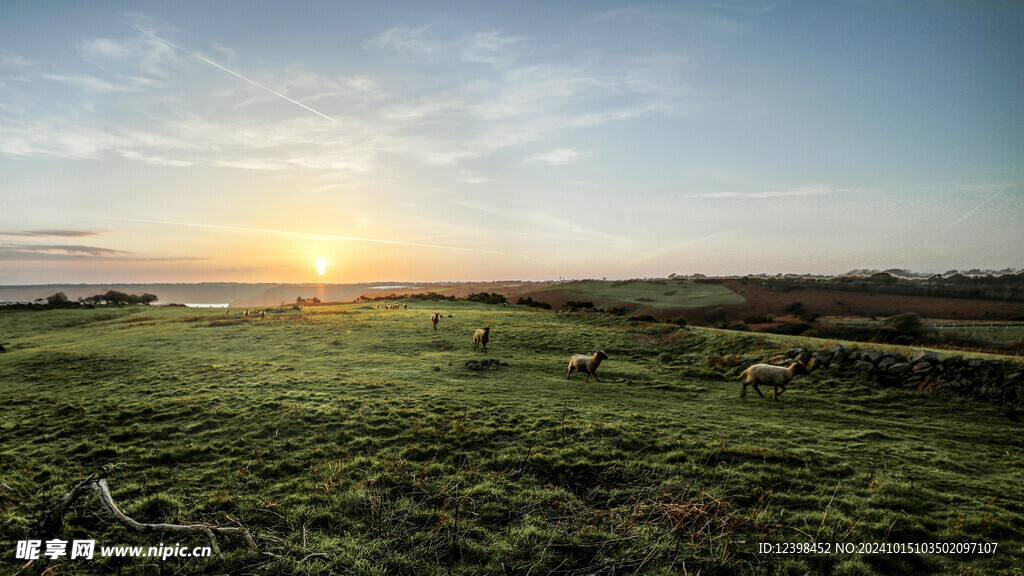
(321,266)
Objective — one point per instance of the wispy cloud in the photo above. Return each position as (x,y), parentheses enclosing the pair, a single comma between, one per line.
(807,191)
(54,251)
(64,233)
(518,97)
(556,157)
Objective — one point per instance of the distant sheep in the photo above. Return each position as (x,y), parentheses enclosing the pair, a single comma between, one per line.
(246,313)
(775,376)
(482,337)
(263,313)
(586,364)
(434,318)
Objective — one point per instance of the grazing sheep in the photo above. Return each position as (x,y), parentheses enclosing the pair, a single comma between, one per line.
(776,376)
(586,364)
(263,313)
(482,337)
(434,318)
(246,313)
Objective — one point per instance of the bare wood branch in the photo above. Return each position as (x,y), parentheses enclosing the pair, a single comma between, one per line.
(98,484)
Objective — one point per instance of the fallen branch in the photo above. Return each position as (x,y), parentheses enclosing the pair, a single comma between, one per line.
(98,484)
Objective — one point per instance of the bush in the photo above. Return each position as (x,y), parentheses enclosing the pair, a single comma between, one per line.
(790,328)
(574,306)
(641,318)
(487,298)
(528,301)
(908,324)
(794,308)
(718,316)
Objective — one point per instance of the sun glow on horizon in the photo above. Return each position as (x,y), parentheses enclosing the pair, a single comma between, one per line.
(321,266)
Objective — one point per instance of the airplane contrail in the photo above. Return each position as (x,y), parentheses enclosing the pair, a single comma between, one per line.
(324,237)
(964,217)
(229,71)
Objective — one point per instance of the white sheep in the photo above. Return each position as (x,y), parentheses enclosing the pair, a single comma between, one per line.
(434,318)
(775,376)
(586,364)
(482,337)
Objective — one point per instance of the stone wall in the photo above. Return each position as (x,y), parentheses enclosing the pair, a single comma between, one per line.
(1000,381)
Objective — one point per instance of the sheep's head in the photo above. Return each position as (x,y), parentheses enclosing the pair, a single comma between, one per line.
(487,328)
(799,368)
(600,355)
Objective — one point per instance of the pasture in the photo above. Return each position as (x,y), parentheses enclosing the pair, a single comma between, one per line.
(650,296)
(351,440)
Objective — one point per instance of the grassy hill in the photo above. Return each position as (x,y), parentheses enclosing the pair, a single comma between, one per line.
(660,298)
(354,440)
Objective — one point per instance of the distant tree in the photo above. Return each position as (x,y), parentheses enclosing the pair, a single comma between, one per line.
(58,300)
(116,298)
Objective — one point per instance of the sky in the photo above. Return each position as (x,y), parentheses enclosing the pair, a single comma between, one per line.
(445,141)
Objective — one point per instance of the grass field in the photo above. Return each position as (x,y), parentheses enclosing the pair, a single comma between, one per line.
(652,295)
(1006,337)
(351,440)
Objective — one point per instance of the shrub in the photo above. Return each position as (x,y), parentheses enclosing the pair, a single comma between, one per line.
(528,301)
(487,298)
(641,318)
(908,324)
(574,306)
(794,307)
(718,316)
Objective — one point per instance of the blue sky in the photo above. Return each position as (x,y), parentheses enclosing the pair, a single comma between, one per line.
(257,141)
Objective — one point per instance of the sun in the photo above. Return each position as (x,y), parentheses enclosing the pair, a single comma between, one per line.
(321,266)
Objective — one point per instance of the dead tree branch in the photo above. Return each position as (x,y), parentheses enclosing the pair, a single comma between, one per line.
(97,483)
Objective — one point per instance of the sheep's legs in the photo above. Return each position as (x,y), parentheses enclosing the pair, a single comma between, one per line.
(756,389)
(776,392)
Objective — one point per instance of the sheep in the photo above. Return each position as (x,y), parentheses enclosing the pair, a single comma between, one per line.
(777,376)
(263,313)
(434,318)
(246,313)
(586,364)
(482,337)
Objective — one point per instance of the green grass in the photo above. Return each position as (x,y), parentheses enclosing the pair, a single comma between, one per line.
(999,332)
(655,294)
(354,441)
